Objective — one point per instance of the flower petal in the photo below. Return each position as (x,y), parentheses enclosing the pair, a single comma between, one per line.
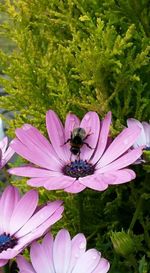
(3,144)
(9,253)
(45,145)
(24,265)
(3,262)
(121,162)
(38,231)
(87,262)
(47,245)
(38,145)
(56,134)
(102,267)
(75,187)
(62,251)
(91,124)
(58,183)
(122,176)
(71,122)
(7,155)
(103,138)
(29,171)
(141,140)
(120,145)
(78,247)
(54,182)
(23,211)
(8,201)
(39,259)
(36,136)
(38,158)
(39,218)
(146,127)
(97,181)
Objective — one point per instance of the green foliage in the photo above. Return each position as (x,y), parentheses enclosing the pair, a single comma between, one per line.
(75,56)
(143,265)
(78,56)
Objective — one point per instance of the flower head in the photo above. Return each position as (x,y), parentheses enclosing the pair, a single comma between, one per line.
(5,155)
(20,223)
(143,140)
(96,166)
(144,137)
(63,255)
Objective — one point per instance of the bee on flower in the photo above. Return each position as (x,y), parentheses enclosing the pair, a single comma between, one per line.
(95,164)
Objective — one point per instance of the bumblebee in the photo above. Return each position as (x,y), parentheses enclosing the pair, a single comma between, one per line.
(77,140)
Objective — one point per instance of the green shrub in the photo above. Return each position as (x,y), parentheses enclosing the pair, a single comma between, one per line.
(75,56)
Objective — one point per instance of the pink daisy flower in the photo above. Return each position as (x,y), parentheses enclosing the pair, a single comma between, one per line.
(5,155)
(143,139)
(98,164)
(21,221)
(63,255)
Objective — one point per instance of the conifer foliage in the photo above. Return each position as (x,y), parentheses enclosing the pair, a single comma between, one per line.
(76,55)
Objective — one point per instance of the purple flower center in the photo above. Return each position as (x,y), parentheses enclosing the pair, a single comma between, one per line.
(78,168)
(6,241)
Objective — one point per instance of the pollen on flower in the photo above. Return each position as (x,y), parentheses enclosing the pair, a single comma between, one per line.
(78,168)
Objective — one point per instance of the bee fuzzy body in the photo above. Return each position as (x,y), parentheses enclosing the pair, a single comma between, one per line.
(78,136)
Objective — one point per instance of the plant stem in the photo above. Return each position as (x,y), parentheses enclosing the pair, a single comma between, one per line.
(146,233)
(133,262)
(114,262)
(136,213)
(81,210)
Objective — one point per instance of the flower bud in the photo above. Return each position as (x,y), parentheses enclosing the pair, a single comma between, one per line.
(122,243)
(146,156)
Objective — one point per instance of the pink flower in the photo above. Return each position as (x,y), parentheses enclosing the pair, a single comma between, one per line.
(21,223)
(5,155)
(143,140)
(98,166)
(63,255)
